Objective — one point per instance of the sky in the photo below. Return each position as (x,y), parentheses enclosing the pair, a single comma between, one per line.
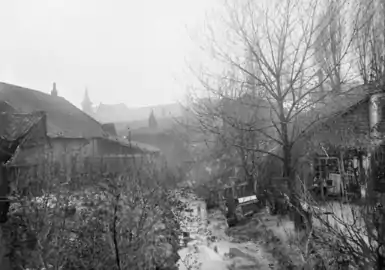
(122,51)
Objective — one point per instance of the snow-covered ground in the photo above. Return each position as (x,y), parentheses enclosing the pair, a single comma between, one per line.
(213,249)
(206,254)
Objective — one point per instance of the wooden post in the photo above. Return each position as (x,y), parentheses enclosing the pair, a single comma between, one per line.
(343,177)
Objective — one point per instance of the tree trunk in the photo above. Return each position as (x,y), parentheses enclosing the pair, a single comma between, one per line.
(288,173)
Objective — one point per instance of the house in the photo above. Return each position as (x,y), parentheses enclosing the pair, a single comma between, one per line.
(71,133)
(307,131)
(351,128)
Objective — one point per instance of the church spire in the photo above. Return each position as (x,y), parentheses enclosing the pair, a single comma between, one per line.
(152,123)
(86,103)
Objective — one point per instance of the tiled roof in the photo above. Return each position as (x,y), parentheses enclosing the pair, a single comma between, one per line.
(63,118)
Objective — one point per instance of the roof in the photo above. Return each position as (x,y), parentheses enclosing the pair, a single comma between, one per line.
(102,108)
(145,147)
(134,144)
(110,129)
(337,103)
(16,125)
(147,130)
(63,118)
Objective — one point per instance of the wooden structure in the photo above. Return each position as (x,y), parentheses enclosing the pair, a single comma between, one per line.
(347,135)
(330,180)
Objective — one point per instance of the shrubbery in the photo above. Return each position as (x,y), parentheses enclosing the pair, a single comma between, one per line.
(116,222)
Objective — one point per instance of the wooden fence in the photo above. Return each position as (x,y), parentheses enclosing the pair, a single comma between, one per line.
(117,163)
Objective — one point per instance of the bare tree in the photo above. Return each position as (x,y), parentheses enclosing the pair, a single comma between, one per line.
(370,41)
(331,43)
(276,80)
(349,233)
(98,221)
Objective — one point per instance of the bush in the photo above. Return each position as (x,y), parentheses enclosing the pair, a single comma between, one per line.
(343,235)
(118,222)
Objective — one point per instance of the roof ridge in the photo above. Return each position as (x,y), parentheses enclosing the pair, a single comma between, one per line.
(35,113)
(29,89)
(58,109)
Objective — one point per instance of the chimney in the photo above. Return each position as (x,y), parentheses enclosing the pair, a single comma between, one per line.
(54,90)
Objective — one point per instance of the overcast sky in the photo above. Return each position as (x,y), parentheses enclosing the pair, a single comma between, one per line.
(123,50)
